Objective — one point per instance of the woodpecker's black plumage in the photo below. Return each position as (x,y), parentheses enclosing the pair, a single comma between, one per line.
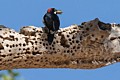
(51,22)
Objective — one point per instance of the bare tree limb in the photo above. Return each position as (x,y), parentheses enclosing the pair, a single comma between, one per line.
(92,44)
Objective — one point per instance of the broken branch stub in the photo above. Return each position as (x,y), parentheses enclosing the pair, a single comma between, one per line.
(92,44)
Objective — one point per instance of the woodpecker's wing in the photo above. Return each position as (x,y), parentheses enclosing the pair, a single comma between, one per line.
(44,20)
(56,22)
(51,21)
(48,21)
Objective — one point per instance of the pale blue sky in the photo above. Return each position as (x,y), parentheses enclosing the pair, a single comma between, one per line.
(18,13)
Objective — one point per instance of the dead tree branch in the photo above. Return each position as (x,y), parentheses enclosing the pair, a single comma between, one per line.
(92,44)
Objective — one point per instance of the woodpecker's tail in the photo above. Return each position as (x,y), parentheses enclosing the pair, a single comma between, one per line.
(50,38)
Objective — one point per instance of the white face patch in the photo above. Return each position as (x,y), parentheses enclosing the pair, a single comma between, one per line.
(55,12)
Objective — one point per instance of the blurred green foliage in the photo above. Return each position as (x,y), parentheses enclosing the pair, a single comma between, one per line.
(11,75)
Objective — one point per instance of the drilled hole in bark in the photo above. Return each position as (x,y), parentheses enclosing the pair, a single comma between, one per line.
(46,39)
(25,60)
(77,41)
(16,45)
(52,45)
(19,49)
(53,42)
(102,36)
(10,46)
(46,60)
(37,60)
(7,45)
(73,54)
(119,37)
(46,44)
(83,32)
(74,47)
(41,32)
(43,44)
(55,52)
(13,45)
(113,38)
(78,47)
(36,42)
(87,29)
(80,37)
(65,55)
(9,50)
(10,54)
(3,55)
(63,42)
(73,37)
(35,53)
(53,48)
(20,44)
(73,41)
(75,50)
(70,43)
(24,44)
(69,39)
(18,53)
(50,48)
(28,48)
(92,35)
(56,41)
(96,38)
(36,48)
(40,42)
(16,39)
(67,35)
(68,51)
(23,48)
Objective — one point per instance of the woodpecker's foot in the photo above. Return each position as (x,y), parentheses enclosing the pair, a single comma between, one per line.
(52,32)
(46,30)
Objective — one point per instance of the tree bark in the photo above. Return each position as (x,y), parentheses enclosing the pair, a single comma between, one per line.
(91,45)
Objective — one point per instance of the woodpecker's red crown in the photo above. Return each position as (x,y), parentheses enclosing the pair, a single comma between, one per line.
(54,11)
(51,10)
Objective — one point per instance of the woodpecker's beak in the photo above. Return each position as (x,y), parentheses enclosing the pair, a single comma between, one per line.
(58,12)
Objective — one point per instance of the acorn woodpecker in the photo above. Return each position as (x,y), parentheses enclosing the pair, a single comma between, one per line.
(51,22)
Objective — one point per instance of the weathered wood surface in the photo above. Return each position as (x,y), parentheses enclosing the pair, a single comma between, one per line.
(91,45)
